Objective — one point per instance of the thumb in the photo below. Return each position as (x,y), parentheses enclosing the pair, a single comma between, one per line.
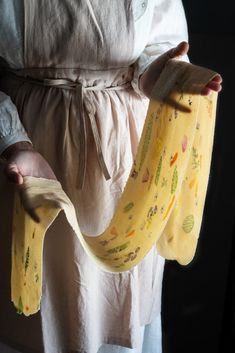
(13,174)
(180,50)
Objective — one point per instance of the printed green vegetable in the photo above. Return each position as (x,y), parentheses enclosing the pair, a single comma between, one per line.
(188,223)
(174,181)
(128,207)
(146,143)
(20,307)
(158,172)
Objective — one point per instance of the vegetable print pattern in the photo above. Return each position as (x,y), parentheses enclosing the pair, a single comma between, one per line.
(162,203)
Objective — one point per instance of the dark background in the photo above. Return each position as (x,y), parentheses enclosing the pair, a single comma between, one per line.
(199,299)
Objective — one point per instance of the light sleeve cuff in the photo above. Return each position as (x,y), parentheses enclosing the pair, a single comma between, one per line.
(11,128)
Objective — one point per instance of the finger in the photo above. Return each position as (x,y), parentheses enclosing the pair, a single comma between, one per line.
(13,174)
(217,78)
(214,86)
(211,86)
(180,50)
(205,91)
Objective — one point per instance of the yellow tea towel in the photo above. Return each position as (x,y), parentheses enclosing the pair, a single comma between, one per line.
(162,203)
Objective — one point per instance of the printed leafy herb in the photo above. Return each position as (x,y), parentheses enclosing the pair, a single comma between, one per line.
(118,248)
(128,207)
(20,307)
(174,181)
(26,265)
(147,138)
(158,172)
(196,159)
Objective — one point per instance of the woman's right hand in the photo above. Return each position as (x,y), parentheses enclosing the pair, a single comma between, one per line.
(22,160)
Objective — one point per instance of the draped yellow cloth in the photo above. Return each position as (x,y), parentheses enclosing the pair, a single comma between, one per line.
(162,203)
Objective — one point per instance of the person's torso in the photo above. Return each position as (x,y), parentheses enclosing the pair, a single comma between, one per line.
(71,33)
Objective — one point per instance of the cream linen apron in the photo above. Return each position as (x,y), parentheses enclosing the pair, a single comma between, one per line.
(82,306)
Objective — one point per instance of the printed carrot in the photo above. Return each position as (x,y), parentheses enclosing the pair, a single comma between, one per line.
(113,231)
(173,159)
(130,233)
(169,207)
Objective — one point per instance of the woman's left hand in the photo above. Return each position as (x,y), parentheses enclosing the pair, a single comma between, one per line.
(149,77)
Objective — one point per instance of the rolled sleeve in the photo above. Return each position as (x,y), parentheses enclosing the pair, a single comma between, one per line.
(11,128)
(168,28)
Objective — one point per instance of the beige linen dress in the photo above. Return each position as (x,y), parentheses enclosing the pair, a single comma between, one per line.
(92,46)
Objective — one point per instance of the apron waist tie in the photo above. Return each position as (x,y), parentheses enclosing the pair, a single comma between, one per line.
(84,103)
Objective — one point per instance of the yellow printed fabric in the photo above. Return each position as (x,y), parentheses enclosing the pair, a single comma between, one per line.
(161,205)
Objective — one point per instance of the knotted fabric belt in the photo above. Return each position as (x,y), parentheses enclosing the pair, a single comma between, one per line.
(84,104)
